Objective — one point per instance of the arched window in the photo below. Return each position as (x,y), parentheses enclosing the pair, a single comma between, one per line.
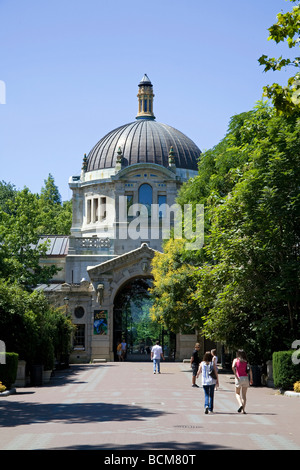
(145,196)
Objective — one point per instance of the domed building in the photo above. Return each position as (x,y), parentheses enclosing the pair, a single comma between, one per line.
(121,200)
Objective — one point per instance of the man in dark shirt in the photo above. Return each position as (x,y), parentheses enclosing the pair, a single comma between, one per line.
(195,360)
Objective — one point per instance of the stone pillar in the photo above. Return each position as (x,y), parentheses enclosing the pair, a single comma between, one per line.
(21,378)
(101,305)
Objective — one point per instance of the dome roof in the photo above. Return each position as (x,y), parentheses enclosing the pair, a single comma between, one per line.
(144,141)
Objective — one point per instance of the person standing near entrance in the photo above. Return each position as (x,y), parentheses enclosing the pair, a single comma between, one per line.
(195,360)
(123,346)
(119,351)
(156,354)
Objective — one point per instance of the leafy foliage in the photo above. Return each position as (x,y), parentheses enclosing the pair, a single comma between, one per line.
(285,373)
(24,217)
(19,249)
(173,288)
(242,288)
(285,99)
(55,217)
(30,326)
(8,371)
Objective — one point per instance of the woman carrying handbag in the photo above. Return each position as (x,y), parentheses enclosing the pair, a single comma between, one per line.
(210,379)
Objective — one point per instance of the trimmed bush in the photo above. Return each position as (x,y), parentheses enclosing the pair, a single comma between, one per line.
(285,372)
(8,371)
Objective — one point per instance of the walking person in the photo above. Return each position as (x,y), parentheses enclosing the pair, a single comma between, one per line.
(195,361)
(215,360)
(210,379)
(240,369)
(156,355)
(214,355)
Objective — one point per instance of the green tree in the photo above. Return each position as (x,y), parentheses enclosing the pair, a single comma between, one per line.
(7,193)
(287,28)
(32,328)
(250,288)
(50,193)
(64,219)
(255,236)
(20,251)
(174,284)
(55,217)
(243,286)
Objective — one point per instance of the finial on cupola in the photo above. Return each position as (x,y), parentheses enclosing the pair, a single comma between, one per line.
(84,163)
(119,160)
(171,158)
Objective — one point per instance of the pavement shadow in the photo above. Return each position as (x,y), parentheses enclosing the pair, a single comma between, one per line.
(70,375)
(18,414)
(148,446)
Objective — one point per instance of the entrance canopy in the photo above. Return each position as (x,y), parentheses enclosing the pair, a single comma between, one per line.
(121,268)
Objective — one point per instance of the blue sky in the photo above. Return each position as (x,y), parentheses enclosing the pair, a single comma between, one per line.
(72,68)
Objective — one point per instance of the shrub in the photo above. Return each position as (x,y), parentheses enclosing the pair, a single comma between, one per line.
(297,386)
(2,388)
(285,372)
(31,327)
(8,371)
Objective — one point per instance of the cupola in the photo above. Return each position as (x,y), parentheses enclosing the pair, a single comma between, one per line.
(145,97)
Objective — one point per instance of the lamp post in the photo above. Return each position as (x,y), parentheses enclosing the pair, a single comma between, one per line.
(66,301)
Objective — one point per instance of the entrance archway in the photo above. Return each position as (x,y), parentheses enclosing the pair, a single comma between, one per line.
(132,322)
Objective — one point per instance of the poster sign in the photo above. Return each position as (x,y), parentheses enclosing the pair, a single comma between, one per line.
(100,322)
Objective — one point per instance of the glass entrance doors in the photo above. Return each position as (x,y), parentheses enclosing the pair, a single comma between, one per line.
(132,323)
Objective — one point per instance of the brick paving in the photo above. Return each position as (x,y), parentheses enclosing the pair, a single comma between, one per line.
(124,406)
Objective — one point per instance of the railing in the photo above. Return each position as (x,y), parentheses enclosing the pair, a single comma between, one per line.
(90,245)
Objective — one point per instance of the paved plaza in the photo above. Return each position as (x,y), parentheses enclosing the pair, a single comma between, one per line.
(124,406)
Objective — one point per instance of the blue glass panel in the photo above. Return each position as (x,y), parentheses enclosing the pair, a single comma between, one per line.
(162,200)
(145,196)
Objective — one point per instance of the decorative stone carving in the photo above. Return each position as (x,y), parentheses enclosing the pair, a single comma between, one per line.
(100,293)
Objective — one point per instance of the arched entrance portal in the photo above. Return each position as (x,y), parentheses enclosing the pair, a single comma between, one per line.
(133,323)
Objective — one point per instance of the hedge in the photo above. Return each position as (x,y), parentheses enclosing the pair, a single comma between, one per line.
(285,372)
(8,371)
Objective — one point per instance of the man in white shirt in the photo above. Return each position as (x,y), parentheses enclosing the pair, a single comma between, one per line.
(156,354)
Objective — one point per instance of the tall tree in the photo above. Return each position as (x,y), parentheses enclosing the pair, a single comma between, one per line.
(55,217)
(7,193)
(20,251)
(173,288)
(50,193)
(247,283)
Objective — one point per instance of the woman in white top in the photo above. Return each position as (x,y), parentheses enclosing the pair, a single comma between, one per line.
(208,382)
